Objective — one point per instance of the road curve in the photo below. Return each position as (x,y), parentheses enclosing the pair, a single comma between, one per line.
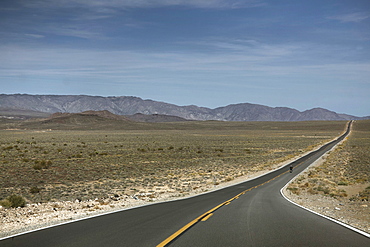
(252,213)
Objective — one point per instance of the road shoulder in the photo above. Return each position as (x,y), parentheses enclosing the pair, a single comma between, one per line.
(352,214)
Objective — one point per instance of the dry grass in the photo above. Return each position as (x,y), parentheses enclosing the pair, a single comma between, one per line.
(345,168)
(81,164)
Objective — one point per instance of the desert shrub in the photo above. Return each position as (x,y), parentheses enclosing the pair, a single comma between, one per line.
(13,201)
(6,203)
(42,164)
(37,166)
(365,194)
(323,189)
(312,191)
(294,190)
(343,194)
(342,183)
(34,190)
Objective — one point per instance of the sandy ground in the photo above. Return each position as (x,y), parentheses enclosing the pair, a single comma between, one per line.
(353,213)
(36,216)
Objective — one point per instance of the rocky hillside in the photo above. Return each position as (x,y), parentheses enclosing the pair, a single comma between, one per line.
(126,105)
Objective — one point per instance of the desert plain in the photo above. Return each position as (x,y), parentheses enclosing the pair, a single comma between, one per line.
(61,175)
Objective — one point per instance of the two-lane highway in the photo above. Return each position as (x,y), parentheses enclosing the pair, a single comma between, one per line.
(252,213)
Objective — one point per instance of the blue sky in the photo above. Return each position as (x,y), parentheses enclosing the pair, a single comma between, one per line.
(298,54)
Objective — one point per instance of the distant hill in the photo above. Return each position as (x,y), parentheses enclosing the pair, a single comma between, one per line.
(94,120)
(129,106)
(10,113)
(102,114)
(155,118)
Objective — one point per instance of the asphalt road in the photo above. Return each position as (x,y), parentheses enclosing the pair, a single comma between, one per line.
(252,213)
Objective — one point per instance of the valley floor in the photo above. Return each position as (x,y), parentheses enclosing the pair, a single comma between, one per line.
(36,216)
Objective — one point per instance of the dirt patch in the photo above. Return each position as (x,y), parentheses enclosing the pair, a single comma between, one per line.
(354,189)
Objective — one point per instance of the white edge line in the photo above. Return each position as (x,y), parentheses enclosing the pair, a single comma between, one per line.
(184,198)
(145,205)
(327,217)
(324,216)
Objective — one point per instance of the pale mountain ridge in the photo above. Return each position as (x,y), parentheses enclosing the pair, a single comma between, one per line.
(129,105)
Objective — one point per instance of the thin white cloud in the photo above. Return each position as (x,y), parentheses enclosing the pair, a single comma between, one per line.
(351,17)
(144,3)
(36,36)
(260,61)
(77,31)
(74,32)
(250,48)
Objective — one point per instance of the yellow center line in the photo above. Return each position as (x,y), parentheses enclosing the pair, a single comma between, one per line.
(209,213)
(207,217)
(176,234)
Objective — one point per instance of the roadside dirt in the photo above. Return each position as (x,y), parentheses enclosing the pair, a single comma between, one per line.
(353,213)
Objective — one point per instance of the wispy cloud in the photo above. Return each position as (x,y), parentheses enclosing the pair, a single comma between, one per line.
(36,36)
(72,32)
(252,59)
(351,17)
(145,3)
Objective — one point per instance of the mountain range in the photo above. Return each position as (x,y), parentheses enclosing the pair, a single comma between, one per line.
(139,109)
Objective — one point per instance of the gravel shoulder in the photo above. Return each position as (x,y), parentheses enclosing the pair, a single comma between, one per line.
(353,213)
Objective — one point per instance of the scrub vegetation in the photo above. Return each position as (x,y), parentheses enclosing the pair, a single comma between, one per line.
(60,165)
(346,168)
